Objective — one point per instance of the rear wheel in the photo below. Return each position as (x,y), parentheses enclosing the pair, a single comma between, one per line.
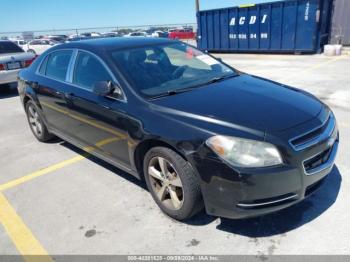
(36,122)
(172,183)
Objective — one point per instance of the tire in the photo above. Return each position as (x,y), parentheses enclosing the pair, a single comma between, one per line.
(178,202)
(36,122)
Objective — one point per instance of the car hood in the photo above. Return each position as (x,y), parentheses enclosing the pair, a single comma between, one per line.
(246,101)
(4,58)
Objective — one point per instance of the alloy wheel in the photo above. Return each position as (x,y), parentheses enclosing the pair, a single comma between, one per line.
(166,183)
(35,121)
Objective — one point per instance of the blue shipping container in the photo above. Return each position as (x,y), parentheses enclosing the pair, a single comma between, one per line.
(298,26)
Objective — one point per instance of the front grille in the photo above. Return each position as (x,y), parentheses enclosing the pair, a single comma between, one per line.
(309,136)
(312,137)
(317,160)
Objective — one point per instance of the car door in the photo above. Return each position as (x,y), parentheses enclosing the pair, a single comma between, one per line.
(50,88)
(43,46)
(33,45)
(99,120)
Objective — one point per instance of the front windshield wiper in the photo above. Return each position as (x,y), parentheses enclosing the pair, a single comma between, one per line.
(171,93)
(178,91)
(218,79)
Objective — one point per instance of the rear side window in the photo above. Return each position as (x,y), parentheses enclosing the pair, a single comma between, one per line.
(88,71)
(9,47)
(57,64)
(35,42)
(42,69)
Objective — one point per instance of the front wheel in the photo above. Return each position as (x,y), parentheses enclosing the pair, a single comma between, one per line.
(172,183)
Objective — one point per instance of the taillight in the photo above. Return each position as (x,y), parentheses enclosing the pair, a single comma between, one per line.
(29,62)
(2,67)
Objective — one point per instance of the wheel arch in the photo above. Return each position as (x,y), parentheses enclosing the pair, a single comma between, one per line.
(26,98)
(29,97)
(146,145)
(30,94)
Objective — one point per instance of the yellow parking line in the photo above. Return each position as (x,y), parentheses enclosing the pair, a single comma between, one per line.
(323,63)
(20,234)
(27,245)
(41,172)
(57,166)
(311,68)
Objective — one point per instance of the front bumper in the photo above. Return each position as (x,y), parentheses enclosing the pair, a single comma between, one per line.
(8,76)
(241,193)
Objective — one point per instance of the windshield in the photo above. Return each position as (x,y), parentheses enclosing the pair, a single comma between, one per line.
(9,47)
(161,69)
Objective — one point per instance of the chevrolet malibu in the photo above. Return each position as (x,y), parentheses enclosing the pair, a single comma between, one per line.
(199,132)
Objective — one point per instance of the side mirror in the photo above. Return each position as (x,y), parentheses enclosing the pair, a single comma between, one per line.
(219,58)
(117,92)
(107,88)
(103,88)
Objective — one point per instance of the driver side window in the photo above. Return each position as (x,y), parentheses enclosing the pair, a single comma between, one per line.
(89,70)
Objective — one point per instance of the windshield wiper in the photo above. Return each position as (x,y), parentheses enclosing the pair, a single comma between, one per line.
(218,79)
(178,91)
(171,93)
(211,81)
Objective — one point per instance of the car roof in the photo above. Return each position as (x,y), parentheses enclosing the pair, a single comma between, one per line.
(99,44)
(47,39)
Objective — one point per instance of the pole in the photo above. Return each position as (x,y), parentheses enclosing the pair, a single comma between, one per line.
(197,6)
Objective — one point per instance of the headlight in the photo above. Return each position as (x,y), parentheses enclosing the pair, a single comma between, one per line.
(244,152)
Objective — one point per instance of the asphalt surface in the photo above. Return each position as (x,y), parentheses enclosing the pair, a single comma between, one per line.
(88,207)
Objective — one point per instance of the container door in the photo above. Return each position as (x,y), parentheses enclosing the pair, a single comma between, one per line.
(243,29)
(210,31)
(217,29)
(203,31)
(264,32)
(306,34)
(276,26)
(289,25)
(253,33)
(224,33)
(233,24)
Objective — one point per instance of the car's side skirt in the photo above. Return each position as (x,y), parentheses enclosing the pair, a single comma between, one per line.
(95,153)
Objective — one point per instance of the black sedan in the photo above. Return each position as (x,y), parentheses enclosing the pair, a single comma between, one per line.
(199,132)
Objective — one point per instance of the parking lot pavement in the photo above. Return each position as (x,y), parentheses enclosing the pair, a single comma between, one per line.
(7,247)
(61,202)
